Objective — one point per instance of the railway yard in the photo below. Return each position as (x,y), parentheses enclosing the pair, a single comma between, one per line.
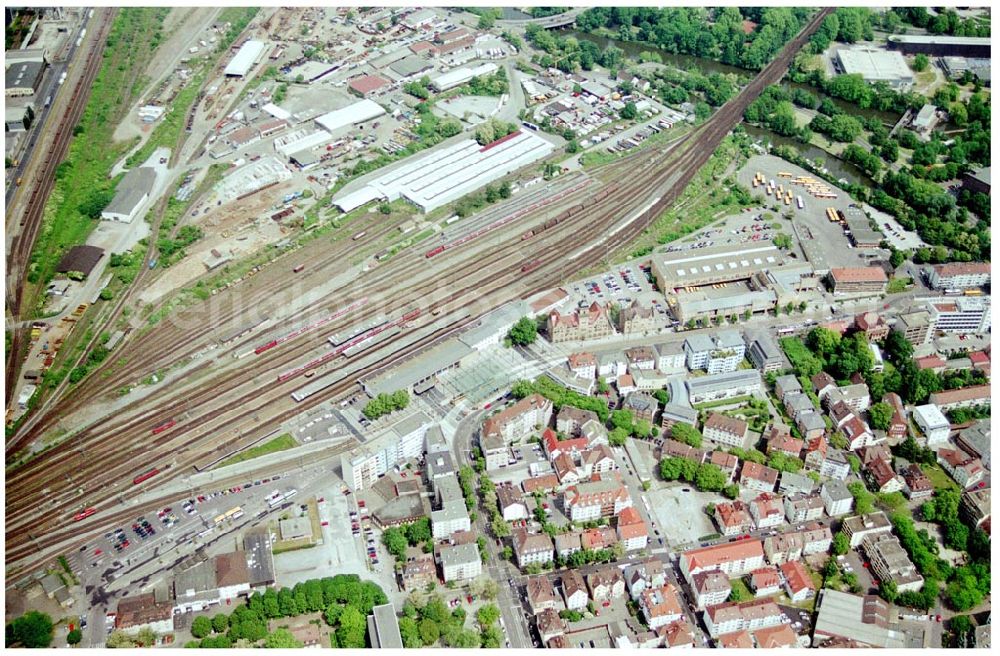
(319,238)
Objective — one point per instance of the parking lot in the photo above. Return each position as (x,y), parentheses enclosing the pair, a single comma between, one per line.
(622,285)
(678,510)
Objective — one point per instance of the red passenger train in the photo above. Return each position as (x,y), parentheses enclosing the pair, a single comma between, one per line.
(145,477)
(84,514)
(164,426)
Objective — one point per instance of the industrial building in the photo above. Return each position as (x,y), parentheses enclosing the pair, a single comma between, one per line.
(366,85)
(245,59)
(460,76)
(859,229)
(941,45)
(447,174)
(359,112)
(312,71)
(977,181)
(18,118)
(713,265)
(700,305)
(132,192)
(955,68)
(22,79)
(858,280)
(876,65)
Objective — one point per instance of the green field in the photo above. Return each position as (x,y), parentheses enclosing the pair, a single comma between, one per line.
(280,443)
(82,186)
(939,478)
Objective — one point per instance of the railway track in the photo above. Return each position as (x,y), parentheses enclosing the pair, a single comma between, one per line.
(586,227)
(31,219)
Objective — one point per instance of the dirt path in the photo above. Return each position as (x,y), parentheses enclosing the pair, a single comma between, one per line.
(185,25)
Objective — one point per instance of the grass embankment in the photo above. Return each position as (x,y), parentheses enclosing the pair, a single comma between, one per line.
(280,443)
(168,131)
(82,187)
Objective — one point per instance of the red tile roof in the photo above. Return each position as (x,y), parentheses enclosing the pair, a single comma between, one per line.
(367,83)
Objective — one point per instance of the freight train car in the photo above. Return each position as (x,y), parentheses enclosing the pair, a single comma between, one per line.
(145,476)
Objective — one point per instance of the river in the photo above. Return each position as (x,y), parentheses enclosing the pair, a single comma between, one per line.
(633,49)
(837,168)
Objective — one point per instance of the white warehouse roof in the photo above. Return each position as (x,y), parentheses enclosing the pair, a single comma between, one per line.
(276,111)
(461,76)
(245,58)
(359,112)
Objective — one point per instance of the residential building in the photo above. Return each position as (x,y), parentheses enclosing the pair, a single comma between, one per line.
(403,440)
(570,420)
(837,499)
(583,365)
(727,462)
(881,478)
(567,543)
(763,352)
(642,406)
(747,616)
(144,612)
(822,383)
(793,545)
(975,505)
(915,326)
(775,637)
(787,384)
(810,425)
(532,548)
(520,419)
(606,583)
(593,323)
(673,413)
(858,433)
(779,439)
(732,559)
(958,275)
(612,365)
(975,440)
(856,397)
(798,583)
(872,325)
(835,465)
(797,404)
(549,625)
(660,606)
(419,572)
(815,452)
(574,590)
(632,530)
(767,511)
(625,384)
(460,562)
(889,562)
(710,588)
(511,502)
(795,483)
(670,357)
(735,640)
(860,527)
(765,582)
(858,280)
(643,575)
(962,315)
(758,477)
(916,484)
(595,499)
(451,518)
(733,518)
(725,430)
(802,507)
(966,397)
(742,382)
(541,595)
(965,469)
(677,635)
(716,355)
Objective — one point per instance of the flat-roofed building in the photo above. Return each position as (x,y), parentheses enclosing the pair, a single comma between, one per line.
(876,65)
(764,352)
(940,45)
(859,527)
(915,326)
(889,561)
(742,382)
(977,181)
(23,78)
(460,562)
(962,315)
(386,634)
(863,620)
(244,60)
(958,275)
(837,498)
(709,266)
(858,280)
(695,305)
(932,423)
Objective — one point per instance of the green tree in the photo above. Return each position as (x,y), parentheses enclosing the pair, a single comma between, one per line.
(486,20)
(32,630)
(352,629)
(629,111)
(880,415)
(487,615)
(409,632)
(201,627)
(429,631)
(841,543)
(283,639)
(920,63)
(524,332)
(618,436)
(687,434)
(74,637)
